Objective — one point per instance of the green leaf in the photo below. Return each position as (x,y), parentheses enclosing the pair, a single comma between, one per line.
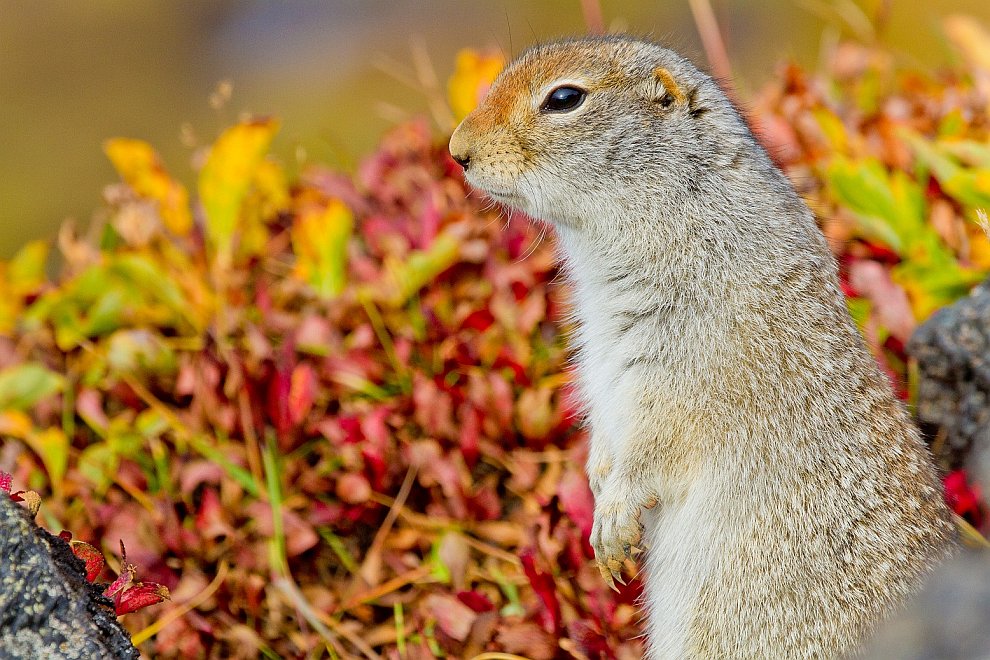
(968,151)
(96,463)
(889,208)
(106,315)
(135,351)
(859,310)
(941,165)
(971,187)
(967,185)
(150,278)
(23,385)
(320,240)
(440,572)
(421,267)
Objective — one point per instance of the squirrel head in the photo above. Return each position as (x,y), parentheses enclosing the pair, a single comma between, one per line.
(575,129)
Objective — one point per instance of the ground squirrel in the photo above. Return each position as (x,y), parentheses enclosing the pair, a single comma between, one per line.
(737,420)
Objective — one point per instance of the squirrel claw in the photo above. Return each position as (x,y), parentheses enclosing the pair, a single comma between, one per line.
(607,576)
(616,530)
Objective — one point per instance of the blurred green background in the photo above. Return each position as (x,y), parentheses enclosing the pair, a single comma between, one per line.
(75,73)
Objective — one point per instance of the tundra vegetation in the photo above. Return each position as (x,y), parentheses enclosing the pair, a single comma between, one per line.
(329,413)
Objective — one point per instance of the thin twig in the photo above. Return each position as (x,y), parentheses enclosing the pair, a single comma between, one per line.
(253,448)
(711,40)
(592,12)
(427,75)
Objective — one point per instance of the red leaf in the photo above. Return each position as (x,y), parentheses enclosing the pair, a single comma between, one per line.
(123,580)
(963,498)
(476,600)
(576,501)
(889,300)
(6,479)
(590,639)
(93,557)
(353,488)
(210,520)
(302,392)
(545,588)
(278,401)
(140,594)
(470,434)
(128,595)
(480,320)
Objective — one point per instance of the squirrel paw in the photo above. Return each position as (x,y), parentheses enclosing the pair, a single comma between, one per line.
(615,533)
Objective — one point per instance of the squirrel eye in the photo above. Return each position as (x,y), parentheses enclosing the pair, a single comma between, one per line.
(563,99)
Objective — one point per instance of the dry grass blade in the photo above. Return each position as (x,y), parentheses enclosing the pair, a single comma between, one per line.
(388,587)
(371,566)
(180,611)
(969,535)
(326,627)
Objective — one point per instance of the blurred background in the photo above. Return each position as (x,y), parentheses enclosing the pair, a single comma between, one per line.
(337,72)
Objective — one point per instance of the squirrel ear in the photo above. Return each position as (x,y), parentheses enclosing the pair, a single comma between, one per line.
(662,88)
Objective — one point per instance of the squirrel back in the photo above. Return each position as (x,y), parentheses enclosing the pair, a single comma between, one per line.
(740,429)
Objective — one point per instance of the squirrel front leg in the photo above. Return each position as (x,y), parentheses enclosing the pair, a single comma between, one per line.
(617,525)
(630,484)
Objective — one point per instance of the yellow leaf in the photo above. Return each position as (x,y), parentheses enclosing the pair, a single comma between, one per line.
(923,303)
(319,238)
(227,176)
(268,196)
(52,446)
(473,75)
(833,129)
(979,247)
(10,306)
(15,424)
(141,168)
(32,500)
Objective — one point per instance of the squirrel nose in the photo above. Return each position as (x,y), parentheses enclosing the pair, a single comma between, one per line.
(460,145)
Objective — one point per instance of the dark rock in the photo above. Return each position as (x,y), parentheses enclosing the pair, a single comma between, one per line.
(47,608)
(953,353)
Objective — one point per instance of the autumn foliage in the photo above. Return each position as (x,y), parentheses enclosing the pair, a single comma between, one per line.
(332,414)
